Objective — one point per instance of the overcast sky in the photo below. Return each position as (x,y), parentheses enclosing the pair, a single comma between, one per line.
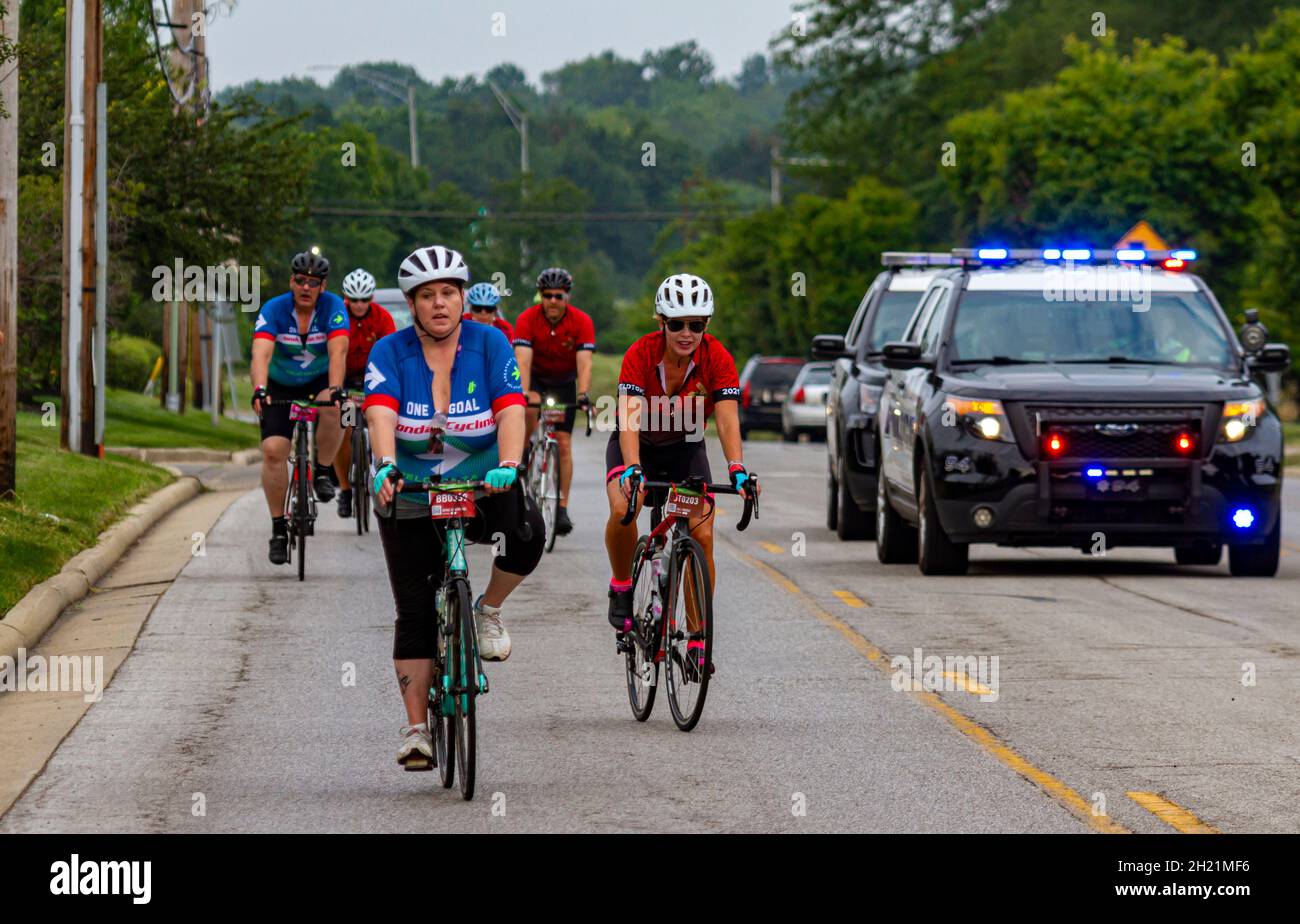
(270,39)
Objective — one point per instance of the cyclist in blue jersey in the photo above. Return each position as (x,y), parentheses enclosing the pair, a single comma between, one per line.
(300,350)
(443,398)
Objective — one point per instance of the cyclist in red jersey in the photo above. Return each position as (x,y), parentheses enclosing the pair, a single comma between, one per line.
(553,346)
(369,322)
(482,299)
(671,382)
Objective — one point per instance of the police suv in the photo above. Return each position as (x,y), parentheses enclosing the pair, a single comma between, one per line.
(1077,398)
(856,380)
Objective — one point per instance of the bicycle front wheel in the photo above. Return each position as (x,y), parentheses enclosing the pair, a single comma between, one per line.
(689,650)
(550,499)
(362,493)
(303,477)
(357,476)
(643,641)
(463,651)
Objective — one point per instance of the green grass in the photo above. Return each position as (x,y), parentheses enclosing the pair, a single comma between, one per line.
(1291,439)
(131,419)
(604,374)
(85,494)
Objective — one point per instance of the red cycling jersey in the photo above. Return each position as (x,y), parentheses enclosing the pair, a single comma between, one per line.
(710,378)
(362,334)
(555,347)
(498,322)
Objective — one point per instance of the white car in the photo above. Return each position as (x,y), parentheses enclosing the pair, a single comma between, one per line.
(804,408)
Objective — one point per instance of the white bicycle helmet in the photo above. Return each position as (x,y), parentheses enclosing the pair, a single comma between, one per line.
(684,296)
(358,284)
(430,263)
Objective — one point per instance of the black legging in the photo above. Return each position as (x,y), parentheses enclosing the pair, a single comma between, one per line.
(416,560)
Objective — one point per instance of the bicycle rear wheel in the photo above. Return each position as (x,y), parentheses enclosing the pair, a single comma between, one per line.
(303,476)
(463,651)
(643,641)
(363,493)
(550,492)
(689,654)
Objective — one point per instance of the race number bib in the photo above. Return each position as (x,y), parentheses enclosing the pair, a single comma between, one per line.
(682,505)
(448,505)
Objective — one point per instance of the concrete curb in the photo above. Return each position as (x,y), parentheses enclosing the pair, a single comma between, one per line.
(32,616)
(239,457)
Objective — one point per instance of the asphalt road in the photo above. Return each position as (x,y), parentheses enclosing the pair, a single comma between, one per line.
(1116,675)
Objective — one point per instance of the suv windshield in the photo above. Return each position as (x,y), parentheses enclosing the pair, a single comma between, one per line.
(1022,326)
(891,318)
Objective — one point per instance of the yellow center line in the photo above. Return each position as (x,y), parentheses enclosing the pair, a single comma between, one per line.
(772,547)
(967,684)
(1056,789)
(850,599)
(1172,814)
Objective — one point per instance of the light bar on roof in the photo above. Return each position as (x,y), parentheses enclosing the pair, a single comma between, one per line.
(1131,255)
(912,258)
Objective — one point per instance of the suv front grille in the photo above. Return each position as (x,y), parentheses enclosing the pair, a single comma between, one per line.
(1101,433)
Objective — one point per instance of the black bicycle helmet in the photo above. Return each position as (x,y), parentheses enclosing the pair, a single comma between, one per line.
(311,264)
(554,278)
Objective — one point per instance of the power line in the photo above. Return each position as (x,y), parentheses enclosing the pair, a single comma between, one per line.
(329,211)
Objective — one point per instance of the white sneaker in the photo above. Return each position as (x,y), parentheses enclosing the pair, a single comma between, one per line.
(416,752)
(493,639)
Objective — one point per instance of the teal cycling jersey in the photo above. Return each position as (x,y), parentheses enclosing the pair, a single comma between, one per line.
(298,360)
(458,442)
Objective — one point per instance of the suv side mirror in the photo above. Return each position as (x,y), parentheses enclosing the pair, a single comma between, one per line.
(900,354)
(1272,357)
(830,346)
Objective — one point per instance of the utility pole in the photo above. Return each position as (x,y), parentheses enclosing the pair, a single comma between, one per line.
(385,84)
(776,175)
(84,56)
(519,119)
(9,267)
(410,122)
(189,62)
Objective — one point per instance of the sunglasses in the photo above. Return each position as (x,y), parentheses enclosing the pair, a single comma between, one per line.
(482,309)
(555,297)
(676,324)
(311,282)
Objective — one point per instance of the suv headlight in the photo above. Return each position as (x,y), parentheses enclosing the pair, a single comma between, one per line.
(983,418)
(868,398)
(1240,418)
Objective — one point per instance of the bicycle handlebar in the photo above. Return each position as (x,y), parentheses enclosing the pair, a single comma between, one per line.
(302,402)
(696,484)
(522,528)
(563,407)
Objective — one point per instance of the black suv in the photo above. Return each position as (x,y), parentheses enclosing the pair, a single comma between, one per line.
(1034,404)
(856,381)
(764,383)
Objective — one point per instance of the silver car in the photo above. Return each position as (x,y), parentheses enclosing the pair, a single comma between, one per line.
(804,410)
(394,302)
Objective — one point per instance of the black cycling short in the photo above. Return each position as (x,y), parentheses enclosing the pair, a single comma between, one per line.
(563,393)
(672,462)
(416,561)
(275,419)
